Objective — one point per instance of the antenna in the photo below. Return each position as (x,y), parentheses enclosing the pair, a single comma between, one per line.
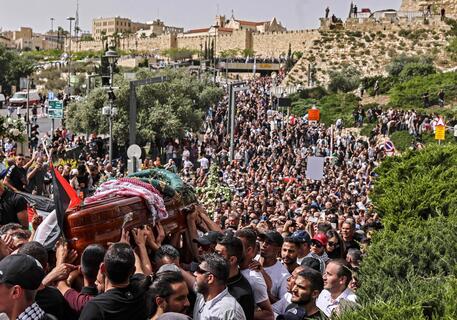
(52,24)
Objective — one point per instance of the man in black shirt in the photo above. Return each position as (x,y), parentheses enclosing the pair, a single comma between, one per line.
(231,248)
(13,207)
(48,298)
(308,286)
(125,296)
(16,177)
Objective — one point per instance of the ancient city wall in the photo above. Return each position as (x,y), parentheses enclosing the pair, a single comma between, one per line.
(276,43)
(416,5)
(239,39)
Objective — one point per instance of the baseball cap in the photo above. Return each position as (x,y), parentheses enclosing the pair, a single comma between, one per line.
(312,263)
(321,238)
(273,237)
(301,236)
(168,267)
(293,312)
(211,237)
(22,270)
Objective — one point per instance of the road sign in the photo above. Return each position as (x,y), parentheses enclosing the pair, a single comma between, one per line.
(313,115)
(55,110)
(55,113)
(51,96)
(389,146)
(55,104)
(440,132)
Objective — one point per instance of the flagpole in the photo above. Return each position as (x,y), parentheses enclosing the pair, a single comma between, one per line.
(46,149)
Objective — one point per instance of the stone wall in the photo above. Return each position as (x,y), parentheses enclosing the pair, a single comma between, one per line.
(277,43)
(238,39)
(417,5)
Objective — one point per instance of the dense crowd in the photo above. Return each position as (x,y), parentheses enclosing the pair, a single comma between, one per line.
(283,247)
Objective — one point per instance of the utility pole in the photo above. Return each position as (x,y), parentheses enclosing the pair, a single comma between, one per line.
(71,19)
(233,89)
(27,106)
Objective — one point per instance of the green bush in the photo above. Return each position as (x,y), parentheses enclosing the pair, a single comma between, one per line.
(344,80)
(418,185)
(336,106)
(397,64)
(402,140)
(415,69)
(409,94)
(410,273)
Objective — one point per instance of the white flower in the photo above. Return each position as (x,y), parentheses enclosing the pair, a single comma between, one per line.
(5,125)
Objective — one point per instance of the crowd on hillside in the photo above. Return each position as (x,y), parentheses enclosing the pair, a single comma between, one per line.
(284,246)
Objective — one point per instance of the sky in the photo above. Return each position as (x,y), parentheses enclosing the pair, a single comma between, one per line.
(190,14)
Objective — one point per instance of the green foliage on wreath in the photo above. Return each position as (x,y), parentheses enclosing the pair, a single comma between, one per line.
(214,191)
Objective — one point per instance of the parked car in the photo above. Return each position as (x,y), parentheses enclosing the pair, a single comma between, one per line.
(2,100)
(20,98)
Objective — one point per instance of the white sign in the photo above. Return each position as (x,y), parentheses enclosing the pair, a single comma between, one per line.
(315,168)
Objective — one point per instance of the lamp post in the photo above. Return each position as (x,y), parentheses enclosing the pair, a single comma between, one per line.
(112,57)
(71,19)
(233,89)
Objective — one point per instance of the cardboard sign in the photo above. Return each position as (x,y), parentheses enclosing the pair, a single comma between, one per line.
(313,115)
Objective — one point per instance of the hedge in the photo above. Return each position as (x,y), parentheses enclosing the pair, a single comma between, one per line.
(417,185)
(410,273)
(409,94)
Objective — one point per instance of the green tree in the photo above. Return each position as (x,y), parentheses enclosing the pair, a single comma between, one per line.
(344,80)
(12,67)
(165,110)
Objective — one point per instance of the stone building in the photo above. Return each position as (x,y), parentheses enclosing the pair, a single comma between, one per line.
(114,25)
(157,28)
(264,26)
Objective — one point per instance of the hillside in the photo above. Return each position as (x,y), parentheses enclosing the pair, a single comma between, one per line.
(369,51)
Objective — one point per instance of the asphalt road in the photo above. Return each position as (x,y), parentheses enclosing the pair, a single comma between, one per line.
(43,121)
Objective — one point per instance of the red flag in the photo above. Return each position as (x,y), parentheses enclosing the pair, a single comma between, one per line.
(65,197)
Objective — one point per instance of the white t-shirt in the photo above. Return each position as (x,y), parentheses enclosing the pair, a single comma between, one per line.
(327,304)
(186,154)
(204,163)
(258,285)
(278,274)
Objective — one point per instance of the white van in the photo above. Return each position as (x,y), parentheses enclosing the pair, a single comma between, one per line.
(20,98)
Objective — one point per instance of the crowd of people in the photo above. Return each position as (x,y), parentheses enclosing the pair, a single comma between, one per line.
(283,247)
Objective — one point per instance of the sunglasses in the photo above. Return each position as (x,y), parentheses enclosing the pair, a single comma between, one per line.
(316,244)
(201,271)
(333,244)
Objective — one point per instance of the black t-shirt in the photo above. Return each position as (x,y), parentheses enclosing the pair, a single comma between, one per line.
(241,290)
(37,181)
(295,311)
(11,204)
(132,303)
(53,302)
(17,177)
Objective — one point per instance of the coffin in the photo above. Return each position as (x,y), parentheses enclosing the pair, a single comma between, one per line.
(102,222)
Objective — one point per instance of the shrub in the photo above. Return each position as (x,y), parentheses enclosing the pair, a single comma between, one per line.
(402,140)
(409,94)
(411,70)
(344,80)
(418,185)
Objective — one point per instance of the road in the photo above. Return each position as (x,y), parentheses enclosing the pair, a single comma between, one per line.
(43,121)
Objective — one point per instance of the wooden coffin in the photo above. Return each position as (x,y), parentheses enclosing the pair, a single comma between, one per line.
(102,222)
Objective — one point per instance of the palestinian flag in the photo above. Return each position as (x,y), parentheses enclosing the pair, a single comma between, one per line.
(65,197)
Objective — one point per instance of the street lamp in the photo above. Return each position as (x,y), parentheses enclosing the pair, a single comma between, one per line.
(112,56)
(71,19)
